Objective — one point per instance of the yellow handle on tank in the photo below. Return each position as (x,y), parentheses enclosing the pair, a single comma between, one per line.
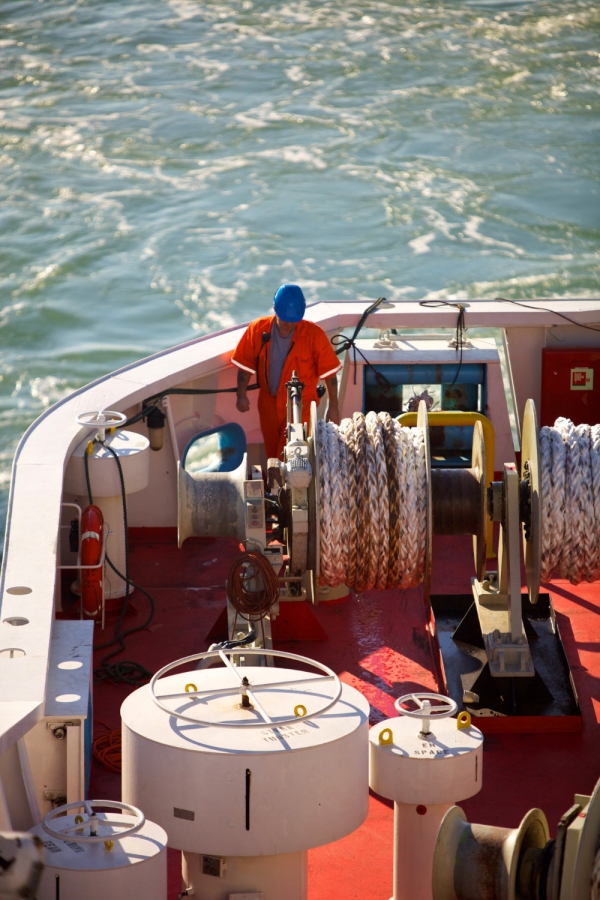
(299,710)
(386,737)
(463,720)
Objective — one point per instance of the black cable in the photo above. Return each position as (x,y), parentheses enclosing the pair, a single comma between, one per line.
(124,671)
(165,393)
(342,342)
(145,410)
(149,403)
(459,337)
(459,333)
(545,309)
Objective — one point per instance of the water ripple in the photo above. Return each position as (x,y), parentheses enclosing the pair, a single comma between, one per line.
(165,166)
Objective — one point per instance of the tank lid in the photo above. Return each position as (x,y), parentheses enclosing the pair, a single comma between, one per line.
(135,848)
(444,740)
(141,715)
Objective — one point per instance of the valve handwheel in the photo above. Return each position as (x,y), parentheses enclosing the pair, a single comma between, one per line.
(425,708)
(73,830)
(102,419)
(248,691)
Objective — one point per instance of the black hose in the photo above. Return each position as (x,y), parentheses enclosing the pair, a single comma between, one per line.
(459,334)
(342,342)
(149,403)
(124,671)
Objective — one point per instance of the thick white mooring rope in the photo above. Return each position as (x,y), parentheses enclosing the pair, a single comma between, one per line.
(373,509)
(570,493)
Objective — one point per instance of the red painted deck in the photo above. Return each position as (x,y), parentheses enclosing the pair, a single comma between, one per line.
(378,643)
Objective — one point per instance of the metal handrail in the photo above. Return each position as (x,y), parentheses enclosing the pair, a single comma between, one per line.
(79,567)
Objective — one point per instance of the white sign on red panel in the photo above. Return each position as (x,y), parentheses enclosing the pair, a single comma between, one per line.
(582,379)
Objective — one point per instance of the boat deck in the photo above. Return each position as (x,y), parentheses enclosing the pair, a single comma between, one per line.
(379,643)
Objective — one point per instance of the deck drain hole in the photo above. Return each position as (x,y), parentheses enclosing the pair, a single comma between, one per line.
(12,652)
(19,589)
(16,620)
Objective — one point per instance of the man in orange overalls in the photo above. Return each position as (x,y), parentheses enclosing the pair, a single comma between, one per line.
(273,347)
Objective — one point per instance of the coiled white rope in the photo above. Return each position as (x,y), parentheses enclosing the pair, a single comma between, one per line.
(570,495)
(373,509)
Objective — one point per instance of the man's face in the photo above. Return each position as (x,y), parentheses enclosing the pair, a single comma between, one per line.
(285,328)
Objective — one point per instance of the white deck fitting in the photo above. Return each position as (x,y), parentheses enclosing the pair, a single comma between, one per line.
(444,767)
(309,781)
(135,867)
(424,776)
(37,478)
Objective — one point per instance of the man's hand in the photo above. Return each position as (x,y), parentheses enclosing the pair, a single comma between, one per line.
(243,380)
(333,410)
(333,413)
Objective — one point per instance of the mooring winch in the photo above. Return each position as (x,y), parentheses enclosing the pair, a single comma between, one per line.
(358,505)
(489,862)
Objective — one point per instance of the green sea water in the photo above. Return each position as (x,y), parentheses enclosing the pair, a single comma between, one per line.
(165,165)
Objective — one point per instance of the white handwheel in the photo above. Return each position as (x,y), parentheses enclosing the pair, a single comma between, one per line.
(425,710)
(247,690)
(102,419)
(90,821)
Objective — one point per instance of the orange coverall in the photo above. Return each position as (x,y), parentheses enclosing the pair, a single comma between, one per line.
(311,356)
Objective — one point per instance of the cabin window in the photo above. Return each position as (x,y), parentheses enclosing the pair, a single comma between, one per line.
(408,384)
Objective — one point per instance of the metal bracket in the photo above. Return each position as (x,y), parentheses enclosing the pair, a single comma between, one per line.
(498,597)
(59,729)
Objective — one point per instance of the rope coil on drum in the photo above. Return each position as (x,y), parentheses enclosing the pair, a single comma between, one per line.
(374,500)
(570,501)
(373,503)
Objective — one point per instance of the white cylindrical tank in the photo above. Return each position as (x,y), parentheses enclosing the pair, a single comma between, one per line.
(133,451)
(135,866)
(235,794)
(424,773)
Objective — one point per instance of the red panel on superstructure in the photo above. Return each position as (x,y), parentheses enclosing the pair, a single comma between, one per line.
(570,386)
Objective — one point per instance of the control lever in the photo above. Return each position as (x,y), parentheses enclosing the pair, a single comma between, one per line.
(231,645)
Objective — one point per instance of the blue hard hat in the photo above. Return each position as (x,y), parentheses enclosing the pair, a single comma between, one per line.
(289,303)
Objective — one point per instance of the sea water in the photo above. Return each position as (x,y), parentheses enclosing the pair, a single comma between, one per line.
(165,165)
